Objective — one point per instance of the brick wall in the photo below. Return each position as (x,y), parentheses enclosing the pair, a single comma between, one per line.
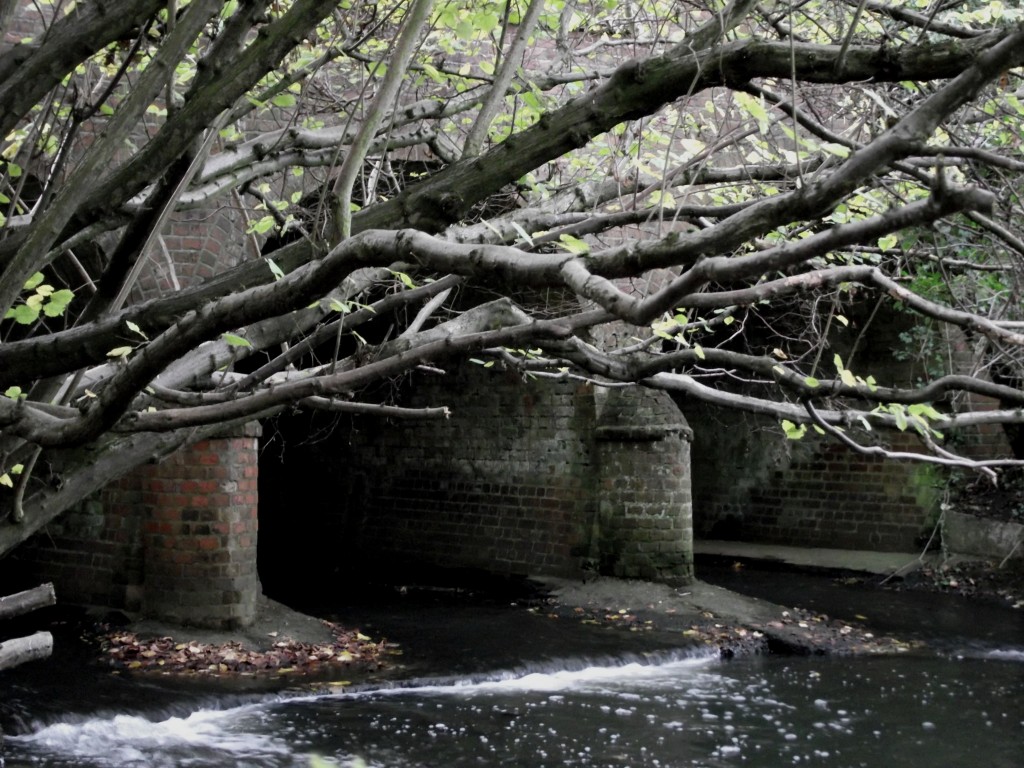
(195,245)
(504,484)
(92,553)
(520,480)
(752,484)
(174,540)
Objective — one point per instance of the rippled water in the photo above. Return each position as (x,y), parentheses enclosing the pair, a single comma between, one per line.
(696,711)
(485,684)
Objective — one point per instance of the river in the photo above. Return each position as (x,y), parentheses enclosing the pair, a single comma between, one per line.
(486,684)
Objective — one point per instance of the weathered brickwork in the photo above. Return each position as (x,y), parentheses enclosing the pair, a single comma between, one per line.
(92,553)
(174,540)
(503,484)
(200,536)
(520,480)
(752,484)
(196,245)
(644,501)
(983,441)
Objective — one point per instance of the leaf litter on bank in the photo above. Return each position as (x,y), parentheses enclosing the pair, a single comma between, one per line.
(165,655)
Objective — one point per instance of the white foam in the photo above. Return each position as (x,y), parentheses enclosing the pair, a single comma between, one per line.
(1006,654)
(129,739)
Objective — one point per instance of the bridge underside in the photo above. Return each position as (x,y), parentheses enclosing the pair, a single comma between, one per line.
(524,478)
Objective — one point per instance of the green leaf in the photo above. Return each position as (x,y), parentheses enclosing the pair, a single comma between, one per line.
(404,278)
(120,352)
(275,270)
(574,244)
(283,100)
(485,21)
(698,350)
(925,410)
(135,329)
(901,419)
(34,281)
(261,226)
(433,74)
(5,479)
(835,149)
(22,314)
(662,199)
(522,232)
(235,341)
(887,242)
(58,302)
(14,393)
(812,382)
(793,431)
(755,108)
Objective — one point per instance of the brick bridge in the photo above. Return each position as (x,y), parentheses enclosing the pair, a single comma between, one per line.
(525,477)
(554,478)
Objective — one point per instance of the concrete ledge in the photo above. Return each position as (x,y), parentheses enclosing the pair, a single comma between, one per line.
(981,537)
(818,557)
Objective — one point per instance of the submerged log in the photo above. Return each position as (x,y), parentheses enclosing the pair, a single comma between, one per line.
(23,649)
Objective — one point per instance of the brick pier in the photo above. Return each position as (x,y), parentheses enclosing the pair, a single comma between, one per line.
(199,540)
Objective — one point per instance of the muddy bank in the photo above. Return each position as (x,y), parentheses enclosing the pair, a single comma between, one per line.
(286,644)
(281,642)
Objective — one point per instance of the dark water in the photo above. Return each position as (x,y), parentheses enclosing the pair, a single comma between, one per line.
(947,622)
(491,685)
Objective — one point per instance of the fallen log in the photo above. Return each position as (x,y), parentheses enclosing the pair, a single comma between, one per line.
(33,647)
(23,649)
(29,600)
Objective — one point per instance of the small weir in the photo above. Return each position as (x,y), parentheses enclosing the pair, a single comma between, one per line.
(688,712)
